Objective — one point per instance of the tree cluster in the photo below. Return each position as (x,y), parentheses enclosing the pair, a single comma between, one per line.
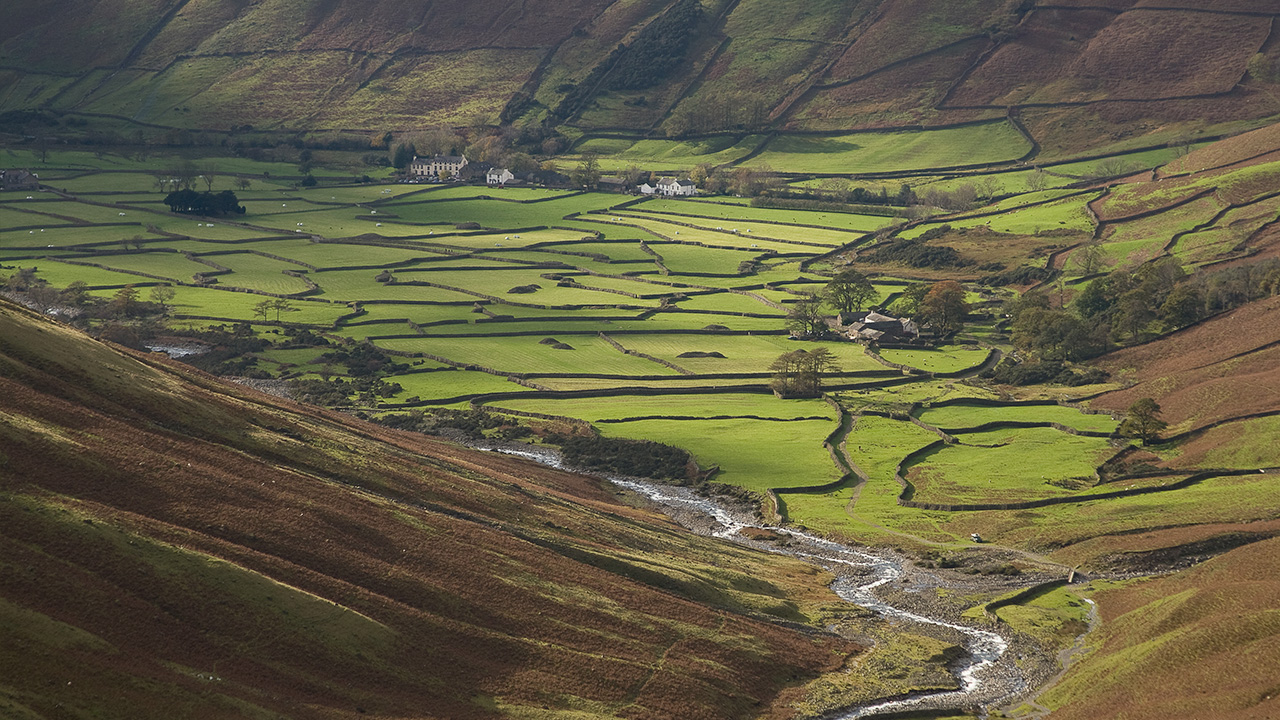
(917,253)
(641,458)
(799,372)
(204,203)
(658,49)
(717,111)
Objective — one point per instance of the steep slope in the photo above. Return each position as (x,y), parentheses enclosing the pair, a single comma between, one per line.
(1215,371)
(1198,644)
(1079,76)
(172,546)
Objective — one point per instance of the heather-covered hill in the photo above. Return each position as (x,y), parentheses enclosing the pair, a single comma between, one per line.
(174,546)
(1078,76)
(1198,644)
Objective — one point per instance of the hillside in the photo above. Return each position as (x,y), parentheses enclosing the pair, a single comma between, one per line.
(1072,77)
(1201,643)
(173,545)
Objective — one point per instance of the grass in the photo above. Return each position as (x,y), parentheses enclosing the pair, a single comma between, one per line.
(497,214)
(665,155)
(474,262)
(1007,466)
(951,359)
(895,151)
(714,232)
(448,384)
(526,355)
(962,415)
(1065,214)
(764,405)
(754,454)
(751,353)
(746,214)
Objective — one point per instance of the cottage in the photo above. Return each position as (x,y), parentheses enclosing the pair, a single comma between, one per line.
(671,187)
(878,328)
(647,189)
(19,180)
(612,184)
(438,166)
(499,176)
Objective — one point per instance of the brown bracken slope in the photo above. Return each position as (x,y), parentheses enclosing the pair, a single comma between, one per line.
(171,546)
(1226,367)
(1199,644)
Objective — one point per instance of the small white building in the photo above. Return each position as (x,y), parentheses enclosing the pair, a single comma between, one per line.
(672,187)
(437,166)
(647,189)
(499,176)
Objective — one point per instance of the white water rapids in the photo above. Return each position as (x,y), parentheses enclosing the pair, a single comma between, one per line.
(980,684)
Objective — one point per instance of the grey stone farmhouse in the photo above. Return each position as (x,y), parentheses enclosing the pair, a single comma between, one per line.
(438,166)
(19,180)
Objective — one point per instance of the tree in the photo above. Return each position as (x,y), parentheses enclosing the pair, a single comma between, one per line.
(944,306)
(1056,335)
(587,174)
(1133,314)
(1183,306)
(799,372)
(850,291)
(125,301)
(402,156)
(911,299)
(208,174)
(162,295)
(1089,258)
(281,305)
(805,317)
(262,309)
(1142,420)
(76,294)
(243,183)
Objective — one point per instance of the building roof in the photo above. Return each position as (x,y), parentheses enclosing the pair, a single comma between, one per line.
(447,159)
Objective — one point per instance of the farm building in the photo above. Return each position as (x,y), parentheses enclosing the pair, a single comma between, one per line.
(612,184)
(676,188)
(670,187)
(437,166)
(19,180)
(499,176)
(877,327)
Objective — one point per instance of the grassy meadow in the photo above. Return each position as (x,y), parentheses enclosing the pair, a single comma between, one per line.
(657,320)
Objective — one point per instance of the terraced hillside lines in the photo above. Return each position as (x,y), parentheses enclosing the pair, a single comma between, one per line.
(341,537)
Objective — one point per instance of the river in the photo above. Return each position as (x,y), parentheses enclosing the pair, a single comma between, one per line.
(987,675)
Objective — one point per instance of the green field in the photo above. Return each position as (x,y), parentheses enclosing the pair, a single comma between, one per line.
(879,152)
(962,415)
(1007,466)
(430,289)
(755,454)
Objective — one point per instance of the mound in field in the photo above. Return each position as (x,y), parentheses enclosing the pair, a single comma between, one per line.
(701,354)
(178,546)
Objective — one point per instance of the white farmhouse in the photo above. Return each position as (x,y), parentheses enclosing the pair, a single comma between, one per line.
(647,189)
(676,188)
(499,176)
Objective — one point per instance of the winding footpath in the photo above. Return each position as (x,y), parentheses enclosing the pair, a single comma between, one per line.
(987,676)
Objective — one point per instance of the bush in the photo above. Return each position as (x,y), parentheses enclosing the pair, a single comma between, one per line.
(916,253)
(1011,372)
(641,458)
